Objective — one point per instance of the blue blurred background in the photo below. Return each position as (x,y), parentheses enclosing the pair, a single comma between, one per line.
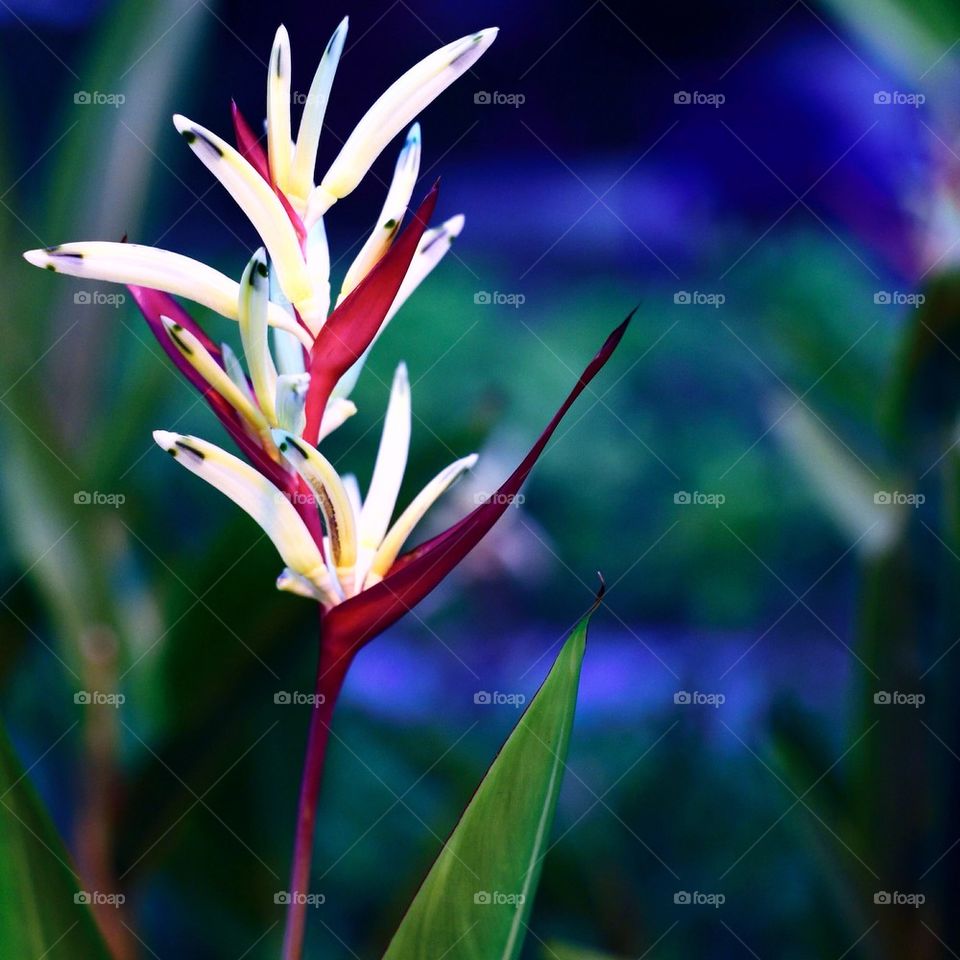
(766,474)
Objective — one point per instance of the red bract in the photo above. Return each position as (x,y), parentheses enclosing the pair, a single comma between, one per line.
(350,329)
(359,619)
(248,143)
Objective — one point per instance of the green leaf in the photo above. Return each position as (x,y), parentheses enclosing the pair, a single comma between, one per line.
(476,899)
(39,912)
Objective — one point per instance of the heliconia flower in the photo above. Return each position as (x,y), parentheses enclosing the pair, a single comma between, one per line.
(287,387)
(275,188)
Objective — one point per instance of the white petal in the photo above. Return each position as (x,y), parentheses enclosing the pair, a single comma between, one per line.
(388,470)
(132,263)
(315,312)
(433,245)
(235,371)
(396,537)
(331,497)
(278,109)
(252,317)
(291,582)
(291,398)
(353,492)
(300,182)
(252,492)
(394,207)
(288,353)
(394,110)
(257,200)
(337,412)
(197,355)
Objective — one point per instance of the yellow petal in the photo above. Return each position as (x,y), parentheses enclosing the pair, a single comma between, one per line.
(400,104)
(394,540)
(394,207)
(278,109)
(252,316)
(263,501)
(257,200)
(330,493)
(308,138)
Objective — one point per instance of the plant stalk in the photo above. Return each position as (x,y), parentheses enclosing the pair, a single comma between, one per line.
(331,672)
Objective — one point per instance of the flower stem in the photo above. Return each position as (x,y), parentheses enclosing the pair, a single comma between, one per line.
(331,671)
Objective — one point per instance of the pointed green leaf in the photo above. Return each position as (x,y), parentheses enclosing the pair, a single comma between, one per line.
(476,899)
(42,911)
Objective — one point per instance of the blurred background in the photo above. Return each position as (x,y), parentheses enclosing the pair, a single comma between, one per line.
(766,474)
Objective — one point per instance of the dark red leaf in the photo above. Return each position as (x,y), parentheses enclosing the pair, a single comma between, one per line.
(153,304)
(352,326)
(413,576)
(248,143)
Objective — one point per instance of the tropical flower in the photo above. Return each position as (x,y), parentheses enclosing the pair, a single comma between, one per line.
(302,360)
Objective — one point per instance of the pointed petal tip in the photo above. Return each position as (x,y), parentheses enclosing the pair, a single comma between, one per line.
(454,225)
(165,439)
(39,258)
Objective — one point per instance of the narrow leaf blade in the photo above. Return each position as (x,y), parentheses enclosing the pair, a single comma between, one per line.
(40,915)
(476,899)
